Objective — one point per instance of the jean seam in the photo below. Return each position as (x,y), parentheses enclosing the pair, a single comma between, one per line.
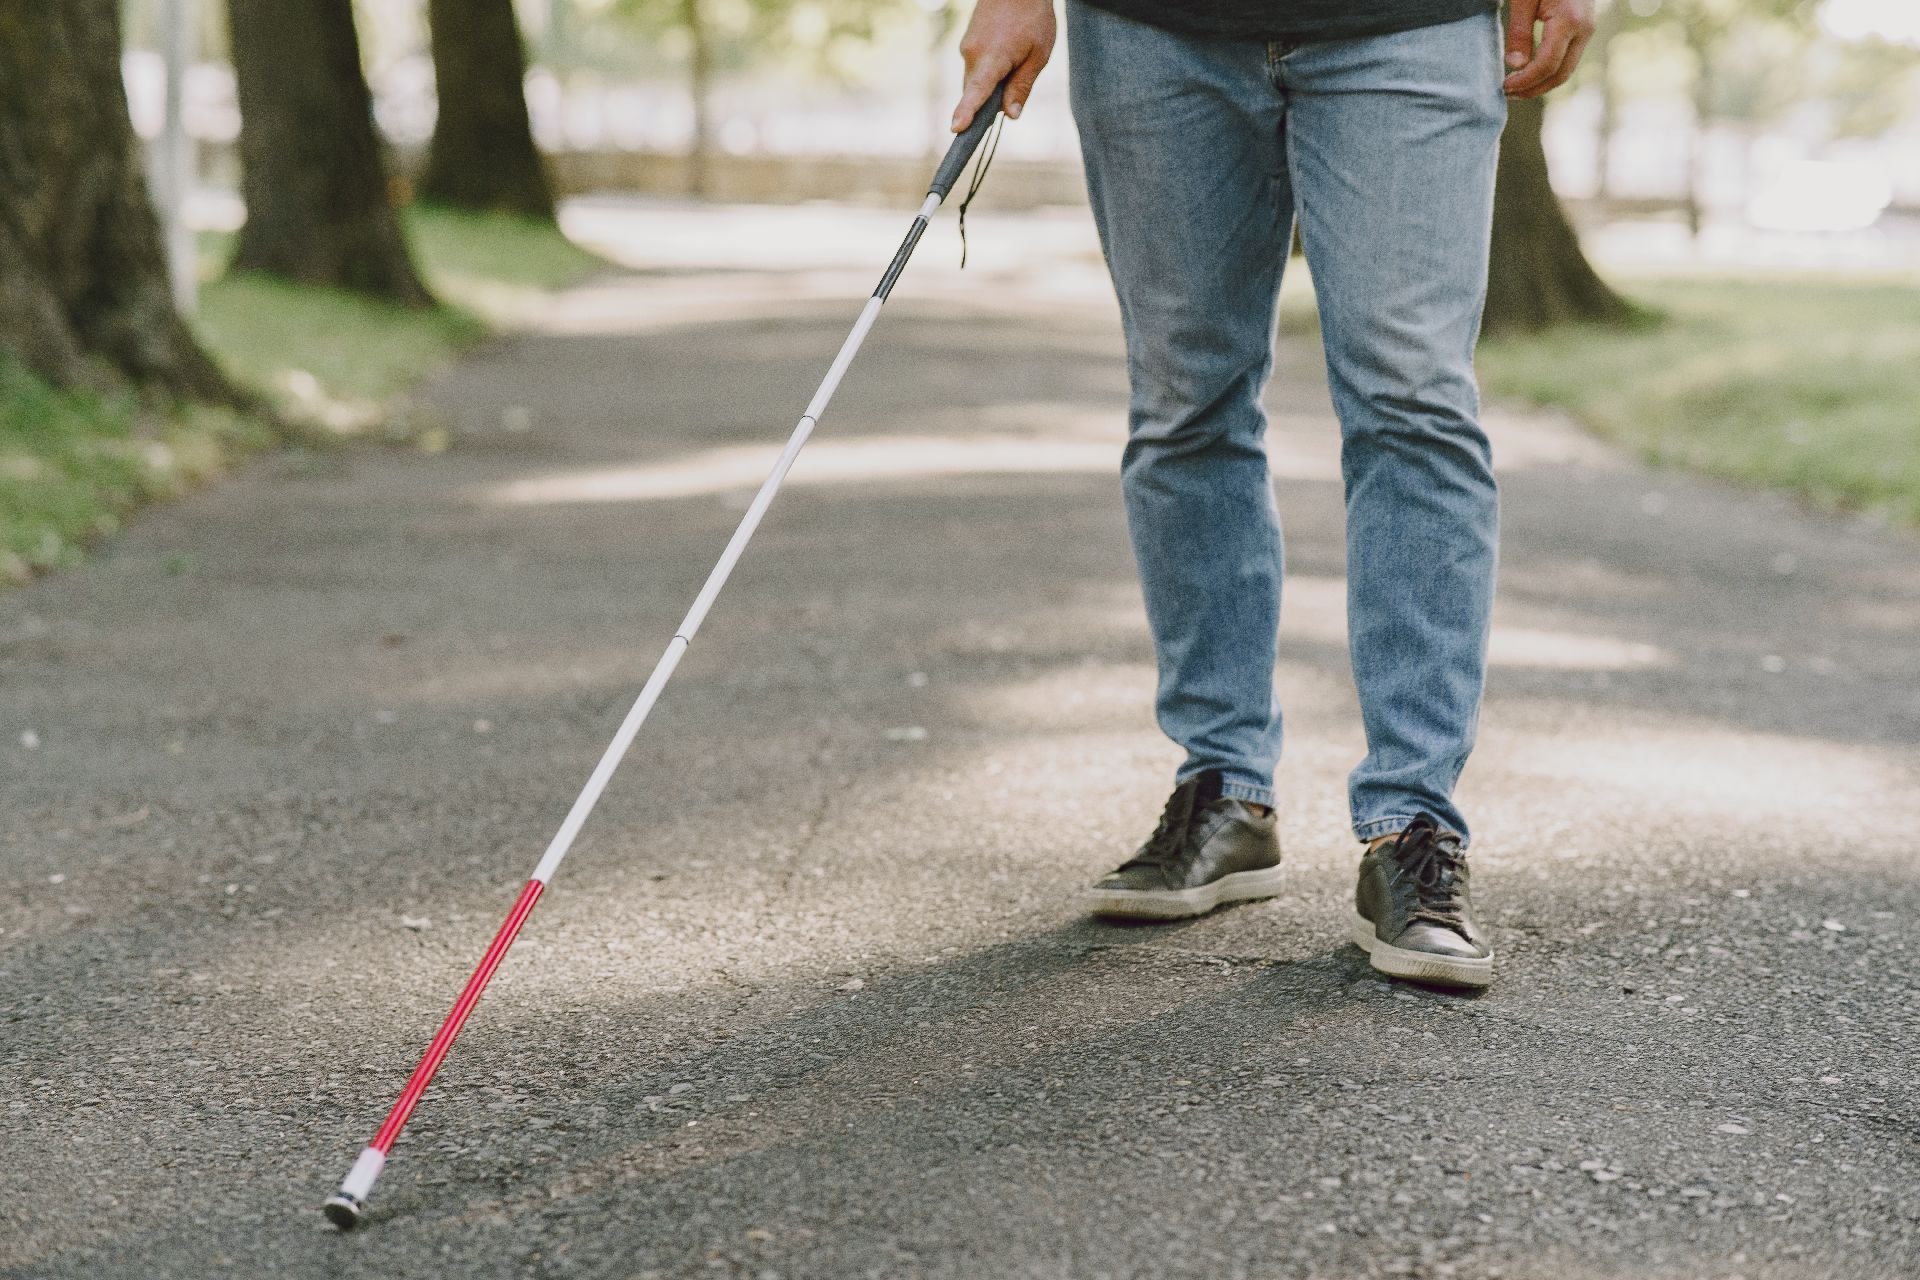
(1253,791)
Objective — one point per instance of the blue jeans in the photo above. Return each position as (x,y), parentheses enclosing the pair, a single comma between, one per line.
(1199,153)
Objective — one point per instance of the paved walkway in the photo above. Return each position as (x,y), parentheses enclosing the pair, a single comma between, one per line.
(813,997)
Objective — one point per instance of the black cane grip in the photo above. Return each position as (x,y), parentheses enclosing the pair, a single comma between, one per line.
(966,143)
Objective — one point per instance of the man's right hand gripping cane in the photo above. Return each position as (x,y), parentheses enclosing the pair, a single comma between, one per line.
(1005,38)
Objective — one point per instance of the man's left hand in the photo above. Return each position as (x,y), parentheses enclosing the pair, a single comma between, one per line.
(1537,66)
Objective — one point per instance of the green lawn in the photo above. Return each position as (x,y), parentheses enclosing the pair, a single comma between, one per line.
(1805,383)
(72,465)
(333,365)
(335,361)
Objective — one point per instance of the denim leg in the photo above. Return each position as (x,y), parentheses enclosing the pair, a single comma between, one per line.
(1392,142)
(1187,175)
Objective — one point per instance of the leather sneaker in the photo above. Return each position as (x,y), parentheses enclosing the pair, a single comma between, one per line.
(1209,849)
(1412,912)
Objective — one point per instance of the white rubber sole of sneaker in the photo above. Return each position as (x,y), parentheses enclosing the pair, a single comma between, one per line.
(1420,966)
(1179,904)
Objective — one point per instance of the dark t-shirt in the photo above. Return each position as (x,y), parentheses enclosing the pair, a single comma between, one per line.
(1294,20)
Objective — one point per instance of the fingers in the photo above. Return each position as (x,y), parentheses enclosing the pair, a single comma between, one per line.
(1021,84)
(1552,63)
(1520,19)
(1004,36)
(983,72)
(980,82)
(1558,53)
(1572,63)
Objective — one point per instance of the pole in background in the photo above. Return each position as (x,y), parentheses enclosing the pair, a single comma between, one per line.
(179,45)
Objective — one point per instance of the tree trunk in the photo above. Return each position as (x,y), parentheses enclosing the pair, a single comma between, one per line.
(84,294)
(1539,277)
(482,155)
(312,175)
(1701,46)
(700,78)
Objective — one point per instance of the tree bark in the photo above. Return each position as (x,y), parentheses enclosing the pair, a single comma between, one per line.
(312,174)
(482,155)
(1539,277)
(84,295)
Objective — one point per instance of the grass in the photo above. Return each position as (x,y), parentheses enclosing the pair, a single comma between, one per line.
(332,364)
(72,465)
(336,361)
(1809,384)
(494,262)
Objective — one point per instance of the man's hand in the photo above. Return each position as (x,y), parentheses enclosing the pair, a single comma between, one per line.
(1006,35)
(1566,26)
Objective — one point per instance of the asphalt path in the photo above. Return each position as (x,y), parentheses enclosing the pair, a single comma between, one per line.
(814,997)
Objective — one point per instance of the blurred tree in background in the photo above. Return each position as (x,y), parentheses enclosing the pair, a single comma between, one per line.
(1746,63)
(319,206)
(84,294)
(482,156)
(1870,84)
(1746,54)
(1538,276)
(724,34)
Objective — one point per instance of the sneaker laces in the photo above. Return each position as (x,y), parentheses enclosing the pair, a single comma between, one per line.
(1437,867)
(1170,837)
